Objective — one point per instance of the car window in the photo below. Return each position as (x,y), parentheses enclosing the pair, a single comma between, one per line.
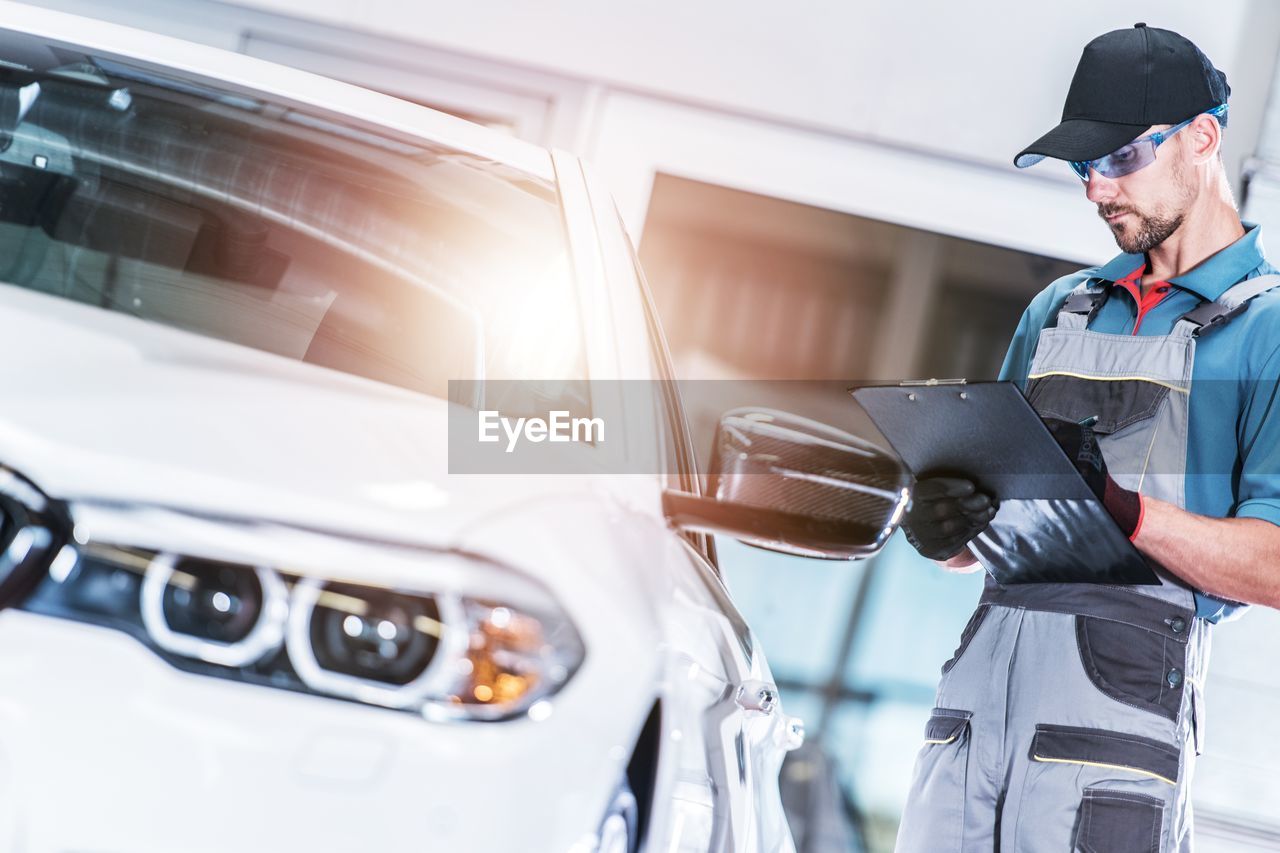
(679,466)
(301,234)
(677,459)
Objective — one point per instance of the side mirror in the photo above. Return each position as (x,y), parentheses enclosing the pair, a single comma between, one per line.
(790,484)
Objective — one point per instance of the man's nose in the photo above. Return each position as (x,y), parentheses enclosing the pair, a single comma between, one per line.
(1099,188)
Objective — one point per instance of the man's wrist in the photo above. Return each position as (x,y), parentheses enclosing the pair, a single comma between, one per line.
(963,560)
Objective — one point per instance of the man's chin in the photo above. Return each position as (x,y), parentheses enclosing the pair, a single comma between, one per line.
(1123,241)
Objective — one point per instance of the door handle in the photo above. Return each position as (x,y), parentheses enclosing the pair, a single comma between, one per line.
(757,696)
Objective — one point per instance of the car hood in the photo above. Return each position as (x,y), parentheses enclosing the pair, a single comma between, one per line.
(100,406)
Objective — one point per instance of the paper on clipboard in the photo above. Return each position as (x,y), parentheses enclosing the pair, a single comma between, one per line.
(1050,527)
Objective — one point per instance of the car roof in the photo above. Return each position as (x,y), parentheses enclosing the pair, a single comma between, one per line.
(268,78)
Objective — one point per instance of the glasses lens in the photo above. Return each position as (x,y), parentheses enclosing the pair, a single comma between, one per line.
(1128,159)
(1081,168)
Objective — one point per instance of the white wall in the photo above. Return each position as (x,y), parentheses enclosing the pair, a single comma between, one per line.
(909,111)
(974,80)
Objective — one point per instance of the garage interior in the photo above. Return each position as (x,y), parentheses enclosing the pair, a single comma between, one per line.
(808,219)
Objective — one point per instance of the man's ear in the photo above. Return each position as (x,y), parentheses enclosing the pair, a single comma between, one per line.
(1204,139)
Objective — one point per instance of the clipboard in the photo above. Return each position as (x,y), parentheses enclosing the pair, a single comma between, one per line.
(1050,527)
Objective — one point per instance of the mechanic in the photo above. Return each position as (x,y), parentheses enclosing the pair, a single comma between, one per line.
(1071,714)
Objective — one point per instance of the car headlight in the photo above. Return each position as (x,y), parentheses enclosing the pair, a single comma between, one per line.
(32,531)
(491,644)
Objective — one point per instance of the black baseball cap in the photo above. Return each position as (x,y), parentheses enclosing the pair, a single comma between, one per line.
(1128,80)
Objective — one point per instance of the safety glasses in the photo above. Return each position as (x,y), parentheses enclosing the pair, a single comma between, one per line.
(1138,154)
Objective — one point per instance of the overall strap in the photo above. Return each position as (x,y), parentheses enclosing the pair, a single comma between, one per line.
(1210,315)
(1082,304)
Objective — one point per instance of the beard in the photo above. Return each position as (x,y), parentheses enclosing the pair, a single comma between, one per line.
(1143,231)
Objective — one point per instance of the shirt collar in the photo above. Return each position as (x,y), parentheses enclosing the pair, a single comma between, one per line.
(1211,277)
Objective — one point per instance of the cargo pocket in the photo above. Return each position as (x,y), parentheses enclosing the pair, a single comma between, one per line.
(1117,404)
(1132,665)
(933,820)
(1140,756)
(1070,763)
(1118,822)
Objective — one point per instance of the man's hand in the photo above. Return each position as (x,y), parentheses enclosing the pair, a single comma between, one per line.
(1080,444)
(945,513)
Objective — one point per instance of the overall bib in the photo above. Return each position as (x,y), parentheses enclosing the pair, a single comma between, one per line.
(1070,716)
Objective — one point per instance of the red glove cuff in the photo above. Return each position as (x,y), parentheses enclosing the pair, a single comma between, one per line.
(1125,507)
(1142,514)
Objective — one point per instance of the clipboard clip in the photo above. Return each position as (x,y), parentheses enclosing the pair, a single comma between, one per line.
(930,382)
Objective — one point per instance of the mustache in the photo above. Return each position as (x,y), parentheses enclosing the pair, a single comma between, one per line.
(1105,210)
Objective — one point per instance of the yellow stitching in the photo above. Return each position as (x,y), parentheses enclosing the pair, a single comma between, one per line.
(1109,766)
(1168,385)
(936,740)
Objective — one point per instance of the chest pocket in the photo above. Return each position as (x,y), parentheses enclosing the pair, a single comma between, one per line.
(1117,403)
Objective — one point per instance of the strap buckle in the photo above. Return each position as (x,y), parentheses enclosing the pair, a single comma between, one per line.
(1086,302)
(1211,315)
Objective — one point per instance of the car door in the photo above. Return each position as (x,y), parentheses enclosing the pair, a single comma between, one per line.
(744,731)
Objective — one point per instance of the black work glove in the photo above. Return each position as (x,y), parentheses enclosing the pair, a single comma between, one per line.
(1080,443)
(945,513)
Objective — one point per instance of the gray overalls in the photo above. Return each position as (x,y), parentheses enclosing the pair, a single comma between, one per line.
(1070,716)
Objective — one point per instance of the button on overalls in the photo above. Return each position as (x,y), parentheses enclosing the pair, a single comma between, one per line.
(1070,717)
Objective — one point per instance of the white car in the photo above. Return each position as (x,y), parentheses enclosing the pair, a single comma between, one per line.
(247,605)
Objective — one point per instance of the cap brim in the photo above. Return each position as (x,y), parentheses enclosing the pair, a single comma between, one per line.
(1079,139)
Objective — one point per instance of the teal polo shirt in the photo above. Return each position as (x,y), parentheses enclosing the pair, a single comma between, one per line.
(1233,441)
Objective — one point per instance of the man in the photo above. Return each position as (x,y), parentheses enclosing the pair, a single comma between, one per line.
(1071,714)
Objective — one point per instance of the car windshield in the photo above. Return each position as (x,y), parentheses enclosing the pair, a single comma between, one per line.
(303,234)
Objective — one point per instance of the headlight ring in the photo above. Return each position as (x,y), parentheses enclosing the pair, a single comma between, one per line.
(165,579)
(311,594)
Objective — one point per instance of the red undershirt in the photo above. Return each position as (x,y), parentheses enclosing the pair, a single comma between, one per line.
(1155,294)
